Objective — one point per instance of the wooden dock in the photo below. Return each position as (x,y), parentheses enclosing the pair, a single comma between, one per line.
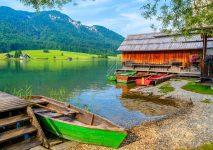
(180,74)
(9,102)
(19,128)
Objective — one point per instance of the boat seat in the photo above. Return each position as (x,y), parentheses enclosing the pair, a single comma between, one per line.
(67,113)
(40,110)
(51,114)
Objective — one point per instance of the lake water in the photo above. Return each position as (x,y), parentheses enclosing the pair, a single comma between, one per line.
(83,84)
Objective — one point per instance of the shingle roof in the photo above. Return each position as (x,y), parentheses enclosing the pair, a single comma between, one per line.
(162,41)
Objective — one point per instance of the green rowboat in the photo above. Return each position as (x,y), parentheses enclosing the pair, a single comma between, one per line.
(111,78)
(127,73)
(72,123)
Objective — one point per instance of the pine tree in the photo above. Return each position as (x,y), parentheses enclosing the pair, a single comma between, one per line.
(16,54)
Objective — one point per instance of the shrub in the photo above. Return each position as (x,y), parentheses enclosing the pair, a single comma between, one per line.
(102,56)
(46,51)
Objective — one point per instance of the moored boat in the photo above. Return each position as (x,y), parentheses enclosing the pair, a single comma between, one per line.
(128,78)
(153,80)
(111,78)
(73,123)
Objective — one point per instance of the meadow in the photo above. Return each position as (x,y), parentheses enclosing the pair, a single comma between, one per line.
(57,54)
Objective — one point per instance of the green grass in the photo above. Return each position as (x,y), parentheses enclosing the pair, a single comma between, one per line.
(191,79)
(198,88)
(207,101)
(166,88)
(20,92)
(39,54)
(207,146)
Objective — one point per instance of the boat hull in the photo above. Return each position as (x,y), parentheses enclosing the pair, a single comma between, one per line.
(126,79)
(111,78)
(83,134)
(153,80)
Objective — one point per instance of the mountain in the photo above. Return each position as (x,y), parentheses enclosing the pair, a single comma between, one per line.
(53,30)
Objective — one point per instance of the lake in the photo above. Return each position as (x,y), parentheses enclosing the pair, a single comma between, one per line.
(83,84)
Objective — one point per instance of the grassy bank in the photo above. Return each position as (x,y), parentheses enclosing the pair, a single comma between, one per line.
(166,88)
(57,54)
(207,146)
(198,88)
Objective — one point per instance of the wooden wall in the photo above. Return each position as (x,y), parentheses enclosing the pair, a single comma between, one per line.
(160,57)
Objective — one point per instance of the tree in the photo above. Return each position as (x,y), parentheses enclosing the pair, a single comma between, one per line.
(37,4)
(46,51)
(184,17)
(19,53)
(16,55)
(181,16)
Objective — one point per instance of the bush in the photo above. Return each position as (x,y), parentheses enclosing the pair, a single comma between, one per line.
(7,55)
(46,51)
(102,56)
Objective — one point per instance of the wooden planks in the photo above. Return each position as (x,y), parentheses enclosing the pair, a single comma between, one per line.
(11,134)
(24,145)
(186,74)
(13,120)
(160,57)
(38,101)
(9,102)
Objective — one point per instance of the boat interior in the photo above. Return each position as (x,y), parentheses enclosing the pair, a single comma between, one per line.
(69,114)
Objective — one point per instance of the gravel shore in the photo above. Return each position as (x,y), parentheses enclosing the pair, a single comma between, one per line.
(178,93)
(189,127)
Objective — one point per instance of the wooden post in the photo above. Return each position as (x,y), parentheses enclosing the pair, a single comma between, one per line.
(203,71)
(40,134)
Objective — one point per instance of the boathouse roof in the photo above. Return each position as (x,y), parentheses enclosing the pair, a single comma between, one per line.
(162,42)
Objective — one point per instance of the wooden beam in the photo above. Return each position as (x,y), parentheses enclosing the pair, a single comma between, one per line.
(203,71)
(40,134)
(12,134)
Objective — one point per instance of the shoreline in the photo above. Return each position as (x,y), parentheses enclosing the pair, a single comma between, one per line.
(187,128)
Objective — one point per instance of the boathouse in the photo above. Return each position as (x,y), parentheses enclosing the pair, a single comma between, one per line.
(160,52)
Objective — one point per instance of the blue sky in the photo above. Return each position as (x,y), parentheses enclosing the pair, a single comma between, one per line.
(121,16)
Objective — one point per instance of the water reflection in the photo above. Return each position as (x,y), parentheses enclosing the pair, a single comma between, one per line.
(150,106)
(83,84)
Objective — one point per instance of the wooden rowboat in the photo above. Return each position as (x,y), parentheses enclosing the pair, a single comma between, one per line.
(153,80)
(111,78)
(123,78)
(72,123)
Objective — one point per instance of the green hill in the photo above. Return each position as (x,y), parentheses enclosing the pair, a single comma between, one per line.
(53,30)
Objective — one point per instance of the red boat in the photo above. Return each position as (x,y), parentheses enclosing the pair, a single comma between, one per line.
(153,80)
(126,78)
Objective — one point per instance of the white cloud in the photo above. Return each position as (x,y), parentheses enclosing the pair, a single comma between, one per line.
(136,24)
(126,23)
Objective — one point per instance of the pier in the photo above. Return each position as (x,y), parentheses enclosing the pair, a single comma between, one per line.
(19,128)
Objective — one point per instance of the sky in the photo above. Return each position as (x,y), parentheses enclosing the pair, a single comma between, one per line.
(121,16)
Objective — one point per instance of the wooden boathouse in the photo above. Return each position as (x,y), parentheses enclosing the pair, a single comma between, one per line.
(160,52)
